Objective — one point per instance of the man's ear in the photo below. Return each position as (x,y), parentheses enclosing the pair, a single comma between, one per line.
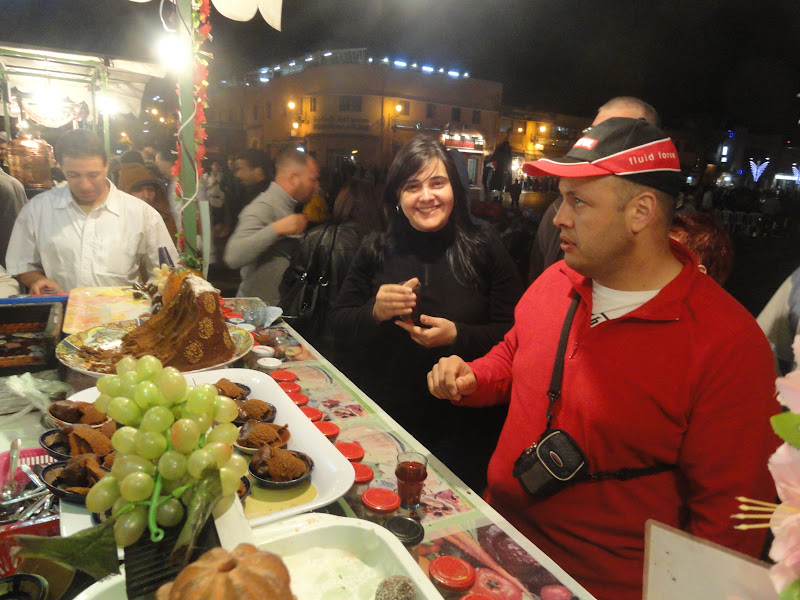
(641,211)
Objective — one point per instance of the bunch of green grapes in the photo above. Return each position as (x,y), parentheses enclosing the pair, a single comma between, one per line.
(171,434)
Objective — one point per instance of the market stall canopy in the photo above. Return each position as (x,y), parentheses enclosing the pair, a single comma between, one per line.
(45,77)
(244,10)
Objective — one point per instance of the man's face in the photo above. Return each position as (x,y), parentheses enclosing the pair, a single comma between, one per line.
(594,236)
(86,178)
(3,147)
(164,165)
(306,182)
(247,174)
(146,192)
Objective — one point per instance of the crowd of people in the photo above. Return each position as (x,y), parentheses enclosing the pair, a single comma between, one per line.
(625,351)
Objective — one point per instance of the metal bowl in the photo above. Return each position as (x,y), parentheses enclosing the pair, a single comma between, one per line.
(282,485)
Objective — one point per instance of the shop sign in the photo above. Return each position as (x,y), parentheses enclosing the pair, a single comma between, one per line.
(460,143)
(339,122)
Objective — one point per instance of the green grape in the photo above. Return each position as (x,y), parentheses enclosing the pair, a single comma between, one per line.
(127,364)
(177,412)
(110,384)
(203,421)
(128,382)
(198,462)
(119,504)
(146,394)
(230,481)
(221,452)
(103,494)
(224,432)
(184,435)
(131,463)
(136,486)
(225,409)
(130,527)
(200,399)
(124,440)
(158,419)
(170,513)
(150,445)
(102,401)
(124,410)
(237,464)
(148,367)
(172,384)
(172,465)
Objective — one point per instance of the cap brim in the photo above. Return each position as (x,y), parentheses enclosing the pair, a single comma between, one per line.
(548,166)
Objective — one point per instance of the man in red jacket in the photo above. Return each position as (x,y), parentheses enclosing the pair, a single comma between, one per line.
(667,387)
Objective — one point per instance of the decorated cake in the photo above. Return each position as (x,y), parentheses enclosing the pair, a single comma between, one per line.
(188,333)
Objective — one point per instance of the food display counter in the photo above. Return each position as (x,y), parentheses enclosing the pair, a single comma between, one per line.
(456,521)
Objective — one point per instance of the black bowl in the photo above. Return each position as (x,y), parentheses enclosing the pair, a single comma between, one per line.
(50,474)
(24,586)
(53,443)
(269,416)
(282,485)
(247,488)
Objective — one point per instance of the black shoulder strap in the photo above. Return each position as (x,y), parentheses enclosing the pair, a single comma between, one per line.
(554,393)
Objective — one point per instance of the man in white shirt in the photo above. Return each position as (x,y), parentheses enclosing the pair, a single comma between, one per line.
(87,233)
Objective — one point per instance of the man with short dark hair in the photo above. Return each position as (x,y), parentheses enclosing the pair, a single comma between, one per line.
(87,233)
(626,352)
(545,249)
(253,171)
(269,228)
(12,199)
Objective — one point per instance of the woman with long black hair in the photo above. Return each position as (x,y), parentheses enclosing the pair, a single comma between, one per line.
(431,283)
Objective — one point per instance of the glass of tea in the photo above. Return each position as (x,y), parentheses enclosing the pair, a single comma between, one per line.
(411,472)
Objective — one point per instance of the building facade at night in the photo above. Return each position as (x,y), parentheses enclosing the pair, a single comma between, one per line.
(346,107)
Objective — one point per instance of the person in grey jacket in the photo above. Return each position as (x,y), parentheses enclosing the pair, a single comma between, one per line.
(269,227)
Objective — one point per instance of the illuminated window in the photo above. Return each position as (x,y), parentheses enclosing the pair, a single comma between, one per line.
(724,151)
(312,104)
(476,117)
(350,103)
(404,106)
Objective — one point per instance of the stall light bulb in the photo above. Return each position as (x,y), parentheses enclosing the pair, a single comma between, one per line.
(174,53)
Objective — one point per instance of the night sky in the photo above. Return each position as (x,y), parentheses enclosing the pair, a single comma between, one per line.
(733,62)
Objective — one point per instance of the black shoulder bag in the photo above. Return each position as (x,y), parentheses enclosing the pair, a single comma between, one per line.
(307,297)
(556,461)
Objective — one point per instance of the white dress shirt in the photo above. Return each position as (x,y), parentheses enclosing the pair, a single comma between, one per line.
(115,244)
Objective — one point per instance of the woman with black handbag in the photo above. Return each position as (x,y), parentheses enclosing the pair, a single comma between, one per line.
(313,279)
(431,283)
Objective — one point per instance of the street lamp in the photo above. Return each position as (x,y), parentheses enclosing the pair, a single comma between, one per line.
(291,105)
(398,107)
(543,128)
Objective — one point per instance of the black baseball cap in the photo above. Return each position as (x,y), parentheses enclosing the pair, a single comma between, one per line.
(629,148)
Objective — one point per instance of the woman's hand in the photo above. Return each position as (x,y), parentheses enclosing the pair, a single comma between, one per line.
(395,300)
(438,331)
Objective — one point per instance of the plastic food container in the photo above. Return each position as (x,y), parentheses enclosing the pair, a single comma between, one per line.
(257,353)
(379,504)
(328,429)
(246,327)
(283,375)
(268,364)
(407,530)
(364,475)
(352,451)
(289,386)
(298,398)
(313,414)
(452,576)
(235,320)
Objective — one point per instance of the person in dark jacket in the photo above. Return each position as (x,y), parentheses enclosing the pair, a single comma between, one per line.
(467,286)
(332,245)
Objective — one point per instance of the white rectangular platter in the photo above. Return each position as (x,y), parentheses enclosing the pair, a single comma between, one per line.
(333,474)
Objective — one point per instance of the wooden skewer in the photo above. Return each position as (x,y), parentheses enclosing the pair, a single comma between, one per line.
(744,516)
(752,526)
(752,501)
